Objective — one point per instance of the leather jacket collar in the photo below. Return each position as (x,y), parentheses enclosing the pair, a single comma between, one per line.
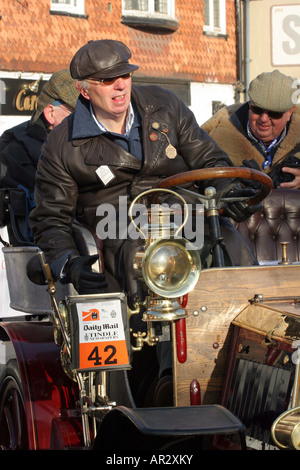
(84,125)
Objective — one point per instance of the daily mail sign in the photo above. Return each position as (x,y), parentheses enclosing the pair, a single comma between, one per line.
(285,27)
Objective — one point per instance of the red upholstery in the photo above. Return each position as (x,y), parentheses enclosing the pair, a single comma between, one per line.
(278,222)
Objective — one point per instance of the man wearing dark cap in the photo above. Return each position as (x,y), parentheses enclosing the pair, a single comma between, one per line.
(20,146)
(263,133)
(120,141)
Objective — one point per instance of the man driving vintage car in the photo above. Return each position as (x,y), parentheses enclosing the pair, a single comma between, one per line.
(120,141)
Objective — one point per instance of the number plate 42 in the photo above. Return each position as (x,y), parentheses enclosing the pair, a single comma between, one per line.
(99,334)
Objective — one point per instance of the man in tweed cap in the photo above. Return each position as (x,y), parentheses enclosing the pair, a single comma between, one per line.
(57,99)
(20,146)
(263,133)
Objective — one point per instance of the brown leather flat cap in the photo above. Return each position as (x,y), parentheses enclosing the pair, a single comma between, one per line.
(104,58)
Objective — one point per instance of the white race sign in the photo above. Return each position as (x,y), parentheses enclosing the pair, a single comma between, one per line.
(285,31)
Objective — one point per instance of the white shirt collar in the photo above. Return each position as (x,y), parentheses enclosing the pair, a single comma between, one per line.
(128,122)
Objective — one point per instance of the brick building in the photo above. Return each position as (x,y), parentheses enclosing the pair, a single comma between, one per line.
(187,46)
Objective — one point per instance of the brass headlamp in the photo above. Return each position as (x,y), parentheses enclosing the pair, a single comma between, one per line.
(169,264)
(171,267)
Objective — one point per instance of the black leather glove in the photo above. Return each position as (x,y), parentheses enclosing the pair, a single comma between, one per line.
(78,272)
(35,271)
(240,210)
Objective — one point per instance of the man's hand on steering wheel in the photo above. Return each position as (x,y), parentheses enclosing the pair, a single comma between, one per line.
(240,210)
(239,203)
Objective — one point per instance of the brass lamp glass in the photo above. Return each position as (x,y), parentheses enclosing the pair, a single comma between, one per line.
(171,268)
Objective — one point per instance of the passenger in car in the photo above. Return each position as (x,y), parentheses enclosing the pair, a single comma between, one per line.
(20,146)
(263,133)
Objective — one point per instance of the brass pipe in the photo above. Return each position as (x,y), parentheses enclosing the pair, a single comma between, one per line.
(285,430)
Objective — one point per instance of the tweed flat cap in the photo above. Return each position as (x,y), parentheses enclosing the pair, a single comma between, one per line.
(272,91)
(104,58)
(60,86)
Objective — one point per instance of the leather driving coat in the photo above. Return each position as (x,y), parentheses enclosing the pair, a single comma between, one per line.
(80,168)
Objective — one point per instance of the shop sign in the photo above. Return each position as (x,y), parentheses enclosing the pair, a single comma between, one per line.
(19,97)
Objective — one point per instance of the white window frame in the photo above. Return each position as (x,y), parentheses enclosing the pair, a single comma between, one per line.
(150,12)
(75,7)
(211,28)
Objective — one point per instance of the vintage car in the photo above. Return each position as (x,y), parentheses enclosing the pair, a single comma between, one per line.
(76,374)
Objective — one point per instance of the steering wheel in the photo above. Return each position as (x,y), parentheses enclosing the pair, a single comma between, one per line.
(234,173)
(214,201)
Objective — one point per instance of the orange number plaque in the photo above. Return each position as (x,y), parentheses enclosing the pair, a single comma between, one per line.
(102,342)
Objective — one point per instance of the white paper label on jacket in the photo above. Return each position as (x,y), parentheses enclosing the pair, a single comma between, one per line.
(105,174)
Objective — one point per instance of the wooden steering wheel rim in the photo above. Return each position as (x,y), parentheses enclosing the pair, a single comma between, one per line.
(219,173)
